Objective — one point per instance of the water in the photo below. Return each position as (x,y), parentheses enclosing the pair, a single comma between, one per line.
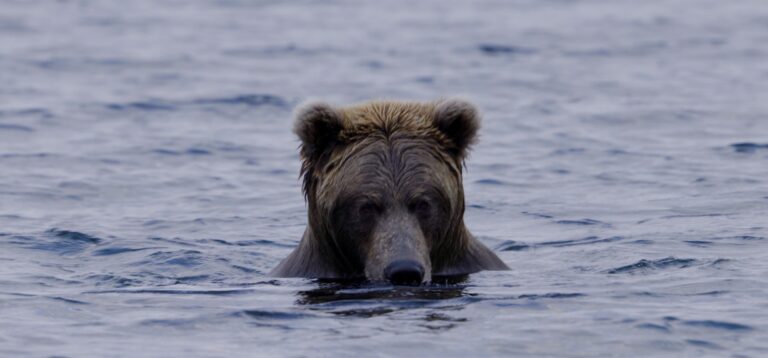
(150,179)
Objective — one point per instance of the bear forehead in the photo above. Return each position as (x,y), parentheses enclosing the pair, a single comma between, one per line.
(397,158)
(388,118)
(402,166)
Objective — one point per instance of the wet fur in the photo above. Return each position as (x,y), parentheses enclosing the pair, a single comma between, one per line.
(401,150)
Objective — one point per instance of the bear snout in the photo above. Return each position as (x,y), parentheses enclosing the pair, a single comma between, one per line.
(404,272)
(398,252)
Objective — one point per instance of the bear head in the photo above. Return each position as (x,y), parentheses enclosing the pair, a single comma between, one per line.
(383,184)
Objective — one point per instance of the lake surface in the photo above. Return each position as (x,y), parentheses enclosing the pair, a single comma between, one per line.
(149,176)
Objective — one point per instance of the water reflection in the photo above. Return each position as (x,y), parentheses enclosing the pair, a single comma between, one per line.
(355,290)
(430,303)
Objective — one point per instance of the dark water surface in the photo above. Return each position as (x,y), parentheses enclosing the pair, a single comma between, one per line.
(149,178)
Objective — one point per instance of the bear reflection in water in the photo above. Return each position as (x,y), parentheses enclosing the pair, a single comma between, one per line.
(383,183)
(433,302)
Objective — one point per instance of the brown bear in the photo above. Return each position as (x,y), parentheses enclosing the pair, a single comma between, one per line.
(383,184)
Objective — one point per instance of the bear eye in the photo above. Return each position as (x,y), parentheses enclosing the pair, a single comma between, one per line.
(368,209)
(421,207)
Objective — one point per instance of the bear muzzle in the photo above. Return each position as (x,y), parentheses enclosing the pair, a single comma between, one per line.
(399,268)
(399,254)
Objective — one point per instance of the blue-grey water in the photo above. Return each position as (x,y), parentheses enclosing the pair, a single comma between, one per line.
(149,176)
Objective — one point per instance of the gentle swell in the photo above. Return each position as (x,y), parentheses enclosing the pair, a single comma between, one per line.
(650,265)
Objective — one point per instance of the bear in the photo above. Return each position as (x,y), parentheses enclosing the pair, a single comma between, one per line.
(383,185)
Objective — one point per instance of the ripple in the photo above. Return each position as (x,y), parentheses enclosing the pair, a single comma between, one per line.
(63,242)
(54,281)
(15,127)
(489,182)
(152,105)
(635,50)
(589,240)
(253,100)
(175,240)
(747,147)
(183,258)
(190,151)
(643,266)
(74,236)
(197,151)
(69,300)
(171,322)
(653,326)
(224,292)
(40,112)
(270,51)
(271,314)
(747,237)
(511,245)
(114,280)
(495,49)
(710,293)
(642,242)
(28,155)
(364,292)
(728,326)
(581,222)
(109,251)
(538,215)
(703,344)
(698,243)
(555,295)
(258,242)
(567,151)
(365,312)
(438,316)
(244,269)
(683,216)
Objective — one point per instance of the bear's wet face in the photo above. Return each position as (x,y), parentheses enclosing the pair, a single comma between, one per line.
(384,192)
(390,210)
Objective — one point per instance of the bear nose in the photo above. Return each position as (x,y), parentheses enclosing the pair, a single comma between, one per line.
(404,272)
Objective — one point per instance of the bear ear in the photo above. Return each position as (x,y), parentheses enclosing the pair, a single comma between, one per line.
(459,121)
(318,126)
